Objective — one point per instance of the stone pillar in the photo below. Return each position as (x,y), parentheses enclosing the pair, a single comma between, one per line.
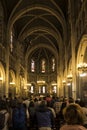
(18,70)
(18,77)
(73,43)
(7,67)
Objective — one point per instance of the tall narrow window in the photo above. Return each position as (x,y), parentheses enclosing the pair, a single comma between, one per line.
(43,89)
(43,65)
(40,89)
(32,89)
(32,65)
(54,89)
(53,64)
(11,39)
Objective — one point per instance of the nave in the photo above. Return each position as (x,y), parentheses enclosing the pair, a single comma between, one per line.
(43,48)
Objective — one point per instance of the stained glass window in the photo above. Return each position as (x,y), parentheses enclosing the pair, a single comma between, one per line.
(43,65)
(11,39)
(53,64)
(32,65)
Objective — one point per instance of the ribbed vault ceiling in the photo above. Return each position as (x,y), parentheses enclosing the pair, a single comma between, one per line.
(38,23)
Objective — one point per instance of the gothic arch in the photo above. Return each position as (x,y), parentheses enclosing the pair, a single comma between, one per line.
(2,72)
(82,49)
(2,80)
(12,76)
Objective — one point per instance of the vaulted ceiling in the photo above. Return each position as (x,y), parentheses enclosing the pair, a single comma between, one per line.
(38,23)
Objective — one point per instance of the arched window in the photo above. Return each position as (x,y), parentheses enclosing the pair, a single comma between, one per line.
(32,65)
(11,39)
(53,64)
(44,89)
(43,65)
(32,89)
(54,89)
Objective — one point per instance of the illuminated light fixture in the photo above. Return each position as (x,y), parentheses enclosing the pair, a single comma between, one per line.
(12,82)
(69,76)
(40,81)
(83,74)
(68,84)
(64,81)
(82,67)
(28,84)
(1,78)
(54,84)
(25,87)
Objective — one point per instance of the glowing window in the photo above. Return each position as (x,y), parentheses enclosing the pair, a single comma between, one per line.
(11,39)
(54,89)
(44,89)
(32,65)
(53,64)
(32,89)
(39,89)
(43,65)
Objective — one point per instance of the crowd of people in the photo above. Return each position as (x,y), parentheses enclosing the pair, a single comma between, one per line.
(47,113)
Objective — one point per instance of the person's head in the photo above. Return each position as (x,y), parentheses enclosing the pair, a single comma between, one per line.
(71,100)
(73,114)
(43,103)
(82,103)
(31,104)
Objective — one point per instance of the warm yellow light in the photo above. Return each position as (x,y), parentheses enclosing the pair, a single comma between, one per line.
(68,84)
(69,76)
(83,74)
(12,82)
(40,81)
(54,84)
(1,78)
(82,66)
(64,81)
(25,87)
(28,84)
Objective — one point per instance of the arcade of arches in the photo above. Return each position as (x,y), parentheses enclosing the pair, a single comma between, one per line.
(43,48)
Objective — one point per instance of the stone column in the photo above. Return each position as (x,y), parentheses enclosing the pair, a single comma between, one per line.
(18,70)
(73,43)
(7,65)
(26,63)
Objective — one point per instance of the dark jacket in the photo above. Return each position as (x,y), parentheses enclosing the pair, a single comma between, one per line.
(44,117)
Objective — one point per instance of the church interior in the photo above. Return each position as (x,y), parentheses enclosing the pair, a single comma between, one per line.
(43,48)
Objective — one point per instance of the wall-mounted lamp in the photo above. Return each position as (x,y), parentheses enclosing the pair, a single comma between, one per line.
(83,74)
(54,84)
(68,84)
(28,84)
(82,67)
(64,81)
(69,77)
(40,82)
(12,83)
(25,87)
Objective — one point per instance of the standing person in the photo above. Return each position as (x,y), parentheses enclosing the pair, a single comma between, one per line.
(44,117)
(31,110)
(19,117)
(4,116)
(73,116)
(84,109)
